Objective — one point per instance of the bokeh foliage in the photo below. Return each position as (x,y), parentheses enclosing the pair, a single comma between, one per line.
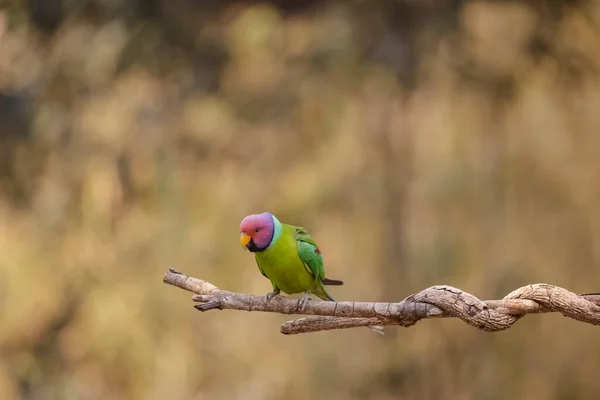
(420,142)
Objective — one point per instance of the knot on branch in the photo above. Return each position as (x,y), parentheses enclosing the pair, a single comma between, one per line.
(497,315)
(457,303)
(556,299)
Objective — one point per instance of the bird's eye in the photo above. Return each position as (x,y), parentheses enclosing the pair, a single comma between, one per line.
(256,230)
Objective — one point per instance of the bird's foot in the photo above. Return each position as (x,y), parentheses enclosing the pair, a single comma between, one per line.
(303,301)
(272,294)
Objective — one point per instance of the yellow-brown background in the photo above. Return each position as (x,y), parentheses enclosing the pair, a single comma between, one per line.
(420,142)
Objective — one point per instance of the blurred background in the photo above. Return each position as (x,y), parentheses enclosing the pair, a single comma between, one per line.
(420,142)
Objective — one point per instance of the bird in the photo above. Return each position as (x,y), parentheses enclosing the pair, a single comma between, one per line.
(287,256)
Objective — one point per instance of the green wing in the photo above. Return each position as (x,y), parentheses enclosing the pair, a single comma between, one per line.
(309,253)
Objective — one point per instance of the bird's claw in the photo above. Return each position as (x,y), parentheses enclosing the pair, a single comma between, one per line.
(303,301)
(270,295)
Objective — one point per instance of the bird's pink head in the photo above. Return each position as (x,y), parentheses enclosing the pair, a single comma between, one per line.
(256,231)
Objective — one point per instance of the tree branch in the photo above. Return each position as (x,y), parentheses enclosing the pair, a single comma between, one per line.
(434,302)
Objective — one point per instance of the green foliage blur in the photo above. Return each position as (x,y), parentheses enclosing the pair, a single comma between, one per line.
(420,142)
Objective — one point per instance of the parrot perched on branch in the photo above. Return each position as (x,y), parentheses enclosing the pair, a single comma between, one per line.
(287,256)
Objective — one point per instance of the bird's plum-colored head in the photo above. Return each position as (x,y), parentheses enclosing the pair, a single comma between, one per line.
(256,231)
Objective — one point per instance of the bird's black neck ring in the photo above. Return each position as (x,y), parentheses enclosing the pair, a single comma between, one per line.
(254,248)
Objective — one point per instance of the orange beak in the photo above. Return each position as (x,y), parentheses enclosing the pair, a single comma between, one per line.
(244,239)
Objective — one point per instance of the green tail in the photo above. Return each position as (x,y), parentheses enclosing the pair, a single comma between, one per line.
(322,293)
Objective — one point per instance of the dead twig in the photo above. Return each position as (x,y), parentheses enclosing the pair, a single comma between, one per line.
(434,302)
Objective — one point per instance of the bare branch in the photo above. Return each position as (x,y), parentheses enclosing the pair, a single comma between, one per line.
(434,302)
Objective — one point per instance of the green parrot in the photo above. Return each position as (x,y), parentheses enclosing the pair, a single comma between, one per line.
(287,256)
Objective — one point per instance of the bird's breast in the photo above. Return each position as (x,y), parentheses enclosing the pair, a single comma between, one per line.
(283,266)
